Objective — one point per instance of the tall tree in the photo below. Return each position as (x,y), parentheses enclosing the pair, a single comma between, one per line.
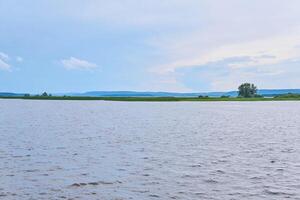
(247,90)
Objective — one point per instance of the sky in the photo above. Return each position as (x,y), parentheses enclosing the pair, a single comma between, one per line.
(149,45)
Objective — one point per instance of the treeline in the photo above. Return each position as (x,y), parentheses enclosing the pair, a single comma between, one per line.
(288,95)
(44,94)
(245,91)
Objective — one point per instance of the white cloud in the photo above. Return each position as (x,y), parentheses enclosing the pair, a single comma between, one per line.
(195,33)
(3,62)
(265,34)
(266,62)
(75,63)
(272,76)
(4,56)
(4,66)
(260,52)
(189,33)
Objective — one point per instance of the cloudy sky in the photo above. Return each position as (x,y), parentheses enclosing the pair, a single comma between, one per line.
(149,45)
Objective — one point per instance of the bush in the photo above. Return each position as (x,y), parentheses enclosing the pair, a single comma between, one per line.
(225,96)
(200,96)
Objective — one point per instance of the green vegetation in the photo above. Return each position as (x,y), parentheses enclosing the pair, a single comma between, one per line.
(153,99)
(224,96)
(247,90)
(45,94)
(288,96)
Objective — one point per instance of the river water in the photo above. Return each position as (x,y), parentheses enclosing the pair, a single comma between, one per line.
(142,150)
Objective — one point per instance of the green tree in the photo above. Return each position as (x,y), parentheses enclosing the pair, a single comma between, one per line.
(201,96)
(45,94)
(247,90)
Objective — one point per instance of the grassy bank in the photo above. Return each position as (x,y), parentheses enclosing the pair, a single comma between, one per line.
(151,98)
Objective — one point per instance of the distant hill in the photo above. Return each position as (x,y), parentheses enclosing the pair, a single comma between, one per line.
(132,94)
(275,92)
(264,92)
(10,94)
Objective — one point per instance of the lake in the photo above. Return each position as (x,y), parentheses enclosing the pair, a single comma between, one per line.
(142,150)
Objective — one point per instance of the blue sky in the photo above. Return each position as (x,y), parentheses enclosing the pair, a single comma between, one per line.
(149,45)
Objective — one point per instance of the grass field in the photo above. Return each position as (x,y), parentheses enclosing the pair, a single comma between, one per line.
(151,98)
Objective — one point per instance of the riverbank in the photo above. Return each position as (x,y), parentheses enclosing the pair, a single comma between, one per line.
(151,98)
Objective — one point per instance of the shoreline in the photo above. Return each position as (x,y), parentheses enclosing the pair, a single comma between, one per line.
(150,99)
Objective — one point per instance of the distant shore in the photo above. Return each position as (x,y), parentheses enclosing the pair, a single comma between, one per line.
(151,99)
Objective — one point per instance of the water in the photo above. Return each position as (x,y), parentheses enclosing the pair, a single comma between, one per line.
(134,150)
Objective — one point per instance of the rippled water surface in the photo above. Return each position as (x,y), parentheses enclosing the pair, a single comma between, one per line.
(134,150)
